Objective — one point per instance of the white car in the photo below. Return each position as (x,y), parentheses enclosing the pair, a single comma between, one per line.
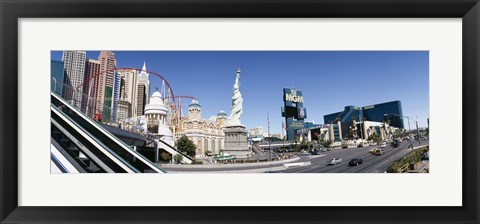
(383,145)
(334,161)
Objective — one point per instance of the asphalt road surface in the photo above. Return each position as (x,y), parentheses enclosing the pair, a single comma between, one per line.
(319,163)
(372,163)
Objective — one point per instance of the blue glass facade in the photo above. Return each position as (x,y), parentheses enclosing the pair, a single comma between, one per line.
(330,118)
(57,74)
(116,95)
(389,111)
(336,133)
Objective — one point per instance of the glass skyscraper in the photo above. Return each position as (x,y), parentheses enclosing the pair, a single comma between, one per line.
(57,73)
(116,96)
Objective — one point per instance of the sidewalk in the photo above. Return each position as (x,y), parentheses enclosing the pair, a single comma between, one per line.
(415,148)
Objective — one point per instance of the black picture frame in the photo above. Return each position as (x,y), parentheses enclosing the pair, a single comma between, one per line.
(12,10)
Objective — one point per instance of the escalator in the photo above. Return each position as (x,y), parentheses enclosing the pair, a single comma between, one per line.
(90,146)
(257,150)
(61,162)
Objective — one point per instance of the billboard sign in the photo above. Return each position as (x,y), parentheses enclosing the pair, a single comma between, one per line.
(296,125)
(292,95)
(302,113)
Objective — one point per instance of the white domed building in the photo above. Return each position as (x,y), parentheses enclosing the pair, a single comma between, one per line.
(156,115)
(206,134)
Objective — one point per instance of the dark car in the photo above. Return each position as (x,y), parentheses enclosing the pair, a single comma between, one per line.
(355,162)
(316,152)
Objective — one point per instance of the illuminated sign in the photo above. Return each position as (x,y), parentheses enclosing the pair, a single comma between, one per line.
(292,96)
(302,113)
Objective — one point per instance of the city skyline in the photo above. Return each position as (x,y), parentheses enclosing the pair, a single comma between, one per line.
(329,80)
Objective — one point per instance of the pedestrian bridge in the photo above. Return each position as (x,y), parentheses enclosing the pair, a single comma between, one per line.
(277,145)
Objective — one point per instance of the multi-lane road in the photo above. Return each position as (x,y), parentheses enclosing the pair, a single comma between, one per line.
(317,163)
(372,163)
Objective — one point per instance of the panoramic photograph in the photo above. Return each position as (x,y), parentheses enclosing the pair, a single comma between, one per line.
(239,112)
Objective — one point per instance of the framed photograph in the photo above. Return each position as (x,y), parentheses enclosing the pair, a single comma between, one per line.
(248,112)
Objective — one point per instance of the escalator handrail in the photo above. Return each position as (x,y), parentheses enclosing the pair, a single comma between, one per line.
(55,146)
(100,146)
(109,135)
(64,164)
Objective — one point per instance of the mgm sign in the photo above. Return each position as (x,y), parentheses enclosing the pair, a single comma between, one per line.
(293,111)
(292,96)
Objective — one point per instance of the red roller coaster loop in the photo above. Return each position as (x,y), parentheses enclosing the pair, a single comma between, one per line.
(127,68)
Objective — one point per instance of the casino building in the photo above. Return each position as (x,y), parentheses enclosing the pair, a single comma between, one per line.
(357,123)
(362,122)
(391,111)
(205,134)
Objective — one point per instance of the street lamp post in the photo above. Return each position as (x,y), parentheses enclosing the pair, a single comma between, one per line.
(416,125)
(408,120)
(361,131)
(418,133)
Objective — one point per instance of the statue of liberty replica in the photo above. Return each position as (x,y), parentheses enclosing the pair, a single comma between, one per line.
(237,101)
(235,133)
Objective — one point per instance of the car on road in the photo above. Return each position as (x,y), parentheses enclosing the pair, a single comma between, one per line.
(355,162)
(395,144)
(334,161)
(383,145)
(373,151)
(304,153)
(316,152)
(380,152)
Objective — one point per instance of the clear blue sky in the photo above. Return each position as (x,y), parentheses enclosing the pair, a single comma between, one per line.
(329,80)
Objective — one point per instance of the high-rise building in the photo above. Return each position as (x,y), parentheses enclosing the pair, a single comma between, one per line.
(105,84)
(389,111)
(129,92)
(143,86)
(74,67)
(124,106)
(141,99)
(56,73)
(117,86)
(256,132)
(347,122)
(89,99)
